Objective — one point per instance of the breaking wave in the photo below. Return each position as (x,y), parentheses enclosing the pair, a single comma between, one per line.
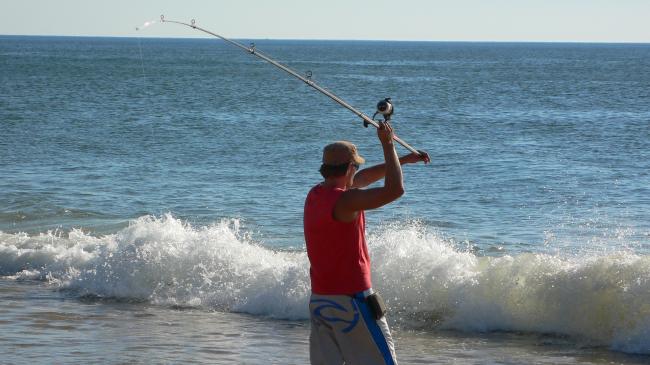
(426,281)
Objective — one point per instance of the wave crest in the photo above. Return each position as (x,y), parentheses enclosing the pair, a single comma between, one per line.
(425,280)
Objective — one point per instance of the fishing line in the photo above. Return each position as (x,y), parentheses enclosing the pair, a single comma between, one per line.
(143,26)
(384,107)
(144,76)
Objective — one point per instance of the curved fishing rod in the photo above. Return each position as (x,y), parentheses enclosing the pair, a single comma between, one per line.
(384,107)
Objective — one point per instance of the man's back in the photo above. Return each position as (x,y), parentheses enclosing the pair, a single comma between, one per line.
(337,250)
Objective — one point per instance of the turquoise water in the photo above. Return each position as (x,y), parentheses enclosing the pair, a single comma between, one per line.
(169,175)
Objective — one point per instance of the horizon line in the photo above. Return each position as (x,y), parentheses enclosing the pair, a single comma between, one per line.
(339,39)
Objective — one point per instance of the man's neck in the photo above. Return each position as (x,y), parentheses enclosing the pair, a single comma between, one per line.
(335,183)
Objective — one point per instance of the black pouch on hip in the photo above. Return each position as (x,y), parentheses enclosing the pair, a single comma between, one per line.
(377,305)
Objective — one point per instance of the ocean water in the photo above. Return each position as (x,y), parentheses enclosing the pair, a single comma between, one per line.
(151,196)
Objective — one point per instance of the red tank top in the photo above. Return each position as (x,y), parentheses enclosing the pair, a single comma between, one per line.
(337,251)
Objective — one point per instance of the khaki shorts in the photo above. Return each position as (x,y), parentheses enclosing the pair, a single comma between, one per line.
(343,331)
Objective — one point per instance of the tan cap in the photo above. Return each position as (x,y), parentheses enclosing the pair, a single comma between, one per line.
(341,152)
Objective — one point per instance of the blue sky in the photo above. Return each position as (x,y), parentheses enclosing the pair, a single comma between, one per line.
(437,20)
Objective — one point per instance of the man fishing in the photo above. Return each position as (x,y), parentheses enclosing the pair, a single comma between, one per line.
(348,324)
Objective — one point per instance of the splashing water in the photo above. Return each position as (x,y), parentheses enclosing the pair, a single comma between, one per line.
(425,280)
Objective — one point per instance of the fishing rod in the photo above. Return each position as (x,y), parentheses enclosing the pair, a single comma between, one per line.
(384,107)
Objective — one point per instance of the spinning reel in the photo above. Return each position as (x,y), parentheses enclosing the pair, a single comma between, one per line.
(385,108)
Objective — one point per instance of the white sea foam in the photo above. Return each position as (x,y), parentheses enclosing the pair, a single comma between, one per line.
(426,281)
(167,262)
(603,299)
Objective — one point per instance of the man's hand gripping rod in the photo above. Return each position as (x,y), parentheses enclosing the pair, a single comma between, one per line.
(306,79)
